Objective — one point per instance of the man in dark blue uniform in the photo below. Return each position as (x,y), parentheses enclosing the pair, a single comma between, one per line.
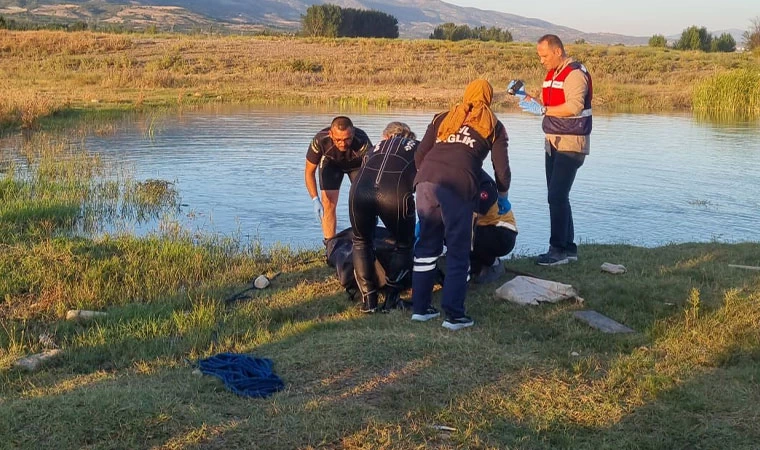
(336,150)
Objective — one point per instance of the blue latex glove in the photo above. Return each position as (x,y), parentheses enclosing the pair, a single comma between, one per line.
(319,212)
(532,107)
(519,94)
(504,205)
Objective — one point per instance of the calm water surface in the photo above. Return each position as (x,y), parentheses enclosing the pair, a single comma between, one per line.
(650,179)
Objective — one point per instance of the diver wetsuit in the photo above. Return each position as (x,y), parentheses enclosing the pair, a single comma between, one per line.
(383,189)
(332,162)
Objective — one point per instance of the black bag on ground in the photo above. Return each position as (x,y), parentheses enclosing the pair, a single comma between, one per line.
(340,255)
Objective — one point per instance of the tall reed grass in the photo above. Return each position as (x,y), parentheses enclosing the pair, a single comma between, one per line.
(735,93)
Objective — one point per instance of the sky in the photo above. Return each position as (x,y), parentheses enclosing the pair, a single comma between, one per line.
(635,18)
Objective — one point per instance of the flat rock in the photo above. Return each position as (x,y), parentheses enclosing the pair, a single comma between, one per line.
(83,315)
(34,362)
(601,322)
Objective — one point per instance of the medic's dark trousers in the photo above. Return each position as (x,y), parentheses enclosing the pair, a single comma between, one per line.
(444,215)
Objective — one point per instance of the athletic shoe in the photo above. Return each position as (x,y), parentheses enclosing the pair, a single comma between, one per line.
(553,258)
(431,313)
(572,255)
(458,323)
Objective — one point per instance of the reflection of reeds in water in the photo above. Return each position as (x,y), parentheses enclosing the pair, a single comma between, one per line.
(729,97)
(56,187)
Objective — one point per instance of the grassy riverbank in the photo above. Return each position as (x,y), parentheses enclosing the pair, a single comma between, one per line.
(523,377)
(66,75)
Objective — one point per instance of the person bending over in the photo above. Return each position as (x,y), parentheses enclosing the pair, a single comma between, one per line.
(448,161)
(335,150)
(495,233)
(384,189)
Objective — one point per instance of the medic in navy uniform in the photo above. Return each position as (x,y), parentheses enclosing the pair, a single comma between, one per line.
(448,161)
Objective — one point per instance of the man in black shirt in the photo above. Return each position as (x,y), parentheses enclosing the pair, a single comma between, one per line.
(336,150)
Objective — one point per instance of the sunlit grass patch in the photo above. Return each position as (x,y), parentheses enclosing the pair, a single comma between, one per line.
(733,94)
(53,76)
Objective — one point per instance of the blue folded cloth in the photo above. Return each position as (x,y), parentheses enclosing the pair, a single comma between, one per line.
(242,374)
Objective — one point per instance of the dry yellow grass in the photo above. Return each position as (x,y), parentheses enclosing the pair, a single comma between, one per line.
(95,70)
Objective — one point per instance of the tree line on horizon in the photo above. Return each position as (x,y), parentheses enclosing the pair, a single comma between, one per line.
(698,38)
(329,20)
(452,32)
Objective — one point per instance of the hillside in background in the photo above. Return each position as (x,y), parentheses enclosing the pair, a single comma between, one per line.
(417,18)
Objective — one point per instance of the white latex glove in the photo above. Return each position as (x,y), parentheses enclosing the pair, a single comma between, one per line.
(319,212)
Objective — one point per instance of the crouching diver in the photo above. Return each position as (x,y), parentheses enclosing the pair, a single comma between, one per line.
(384,189)
(495,233)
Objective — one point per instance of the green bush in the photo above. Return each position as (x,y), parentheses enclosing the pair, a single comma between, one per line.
(724,43)
(658,40)
(299,65)
(695,38)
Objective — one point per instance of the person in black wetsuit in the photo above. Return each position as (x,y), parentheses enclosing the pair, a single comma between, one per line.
(335,150)
(448,161)
(384,188)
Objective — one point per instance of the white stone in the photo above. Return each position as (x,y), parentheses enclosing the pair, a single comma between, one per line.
(261,282)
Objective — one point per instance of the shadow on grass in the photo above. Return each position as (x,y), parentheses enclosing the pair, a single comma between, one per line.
(381,381)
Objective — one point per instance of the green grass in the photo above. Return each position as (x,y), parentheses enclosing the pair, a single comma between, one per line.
(523,377)
(733,94)
(687,379)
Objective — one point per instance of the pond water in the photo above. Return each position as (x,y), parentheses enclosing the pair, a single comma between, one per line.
(650,179)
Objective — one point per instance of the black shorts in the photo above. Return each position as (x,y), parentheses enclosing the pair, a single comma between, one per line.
(331,175)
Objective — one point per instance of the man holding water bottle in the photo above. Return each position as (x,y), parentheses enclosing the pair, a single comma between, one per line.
(566,110)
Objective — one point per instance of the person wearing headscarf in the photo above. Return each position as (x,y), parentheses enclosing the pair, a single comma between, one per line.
(449,159)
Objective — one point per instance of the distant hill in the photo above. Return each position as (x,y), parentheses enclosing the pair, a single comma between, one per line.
(417,18)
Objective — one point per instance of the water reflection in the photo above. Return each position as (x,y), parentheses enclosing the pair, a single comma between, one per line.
(650,179)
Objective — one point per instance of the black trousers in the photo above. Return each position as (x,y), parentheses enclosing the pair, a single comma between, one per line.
(490,243)
(561,168)
(394,205)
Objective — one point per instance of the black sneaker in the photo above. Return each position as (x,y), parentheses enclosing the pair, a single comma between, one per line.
(430,313)
(572,255)
(458,323)
(553,258)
